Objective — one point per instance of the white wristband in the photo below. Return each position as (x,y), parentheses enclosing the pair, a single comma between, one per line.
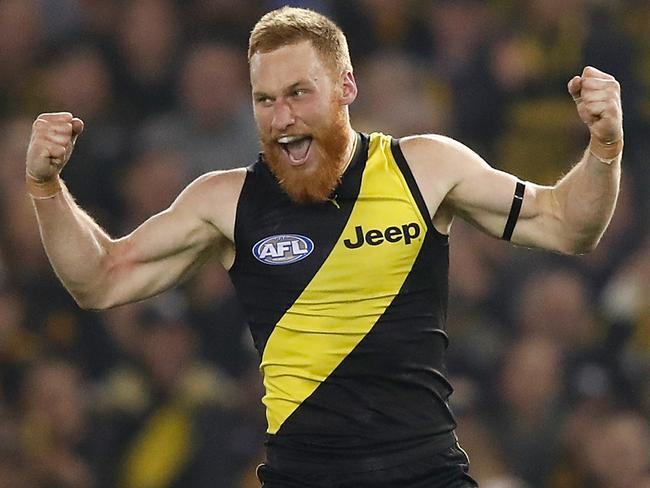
(603,160)
(613,149)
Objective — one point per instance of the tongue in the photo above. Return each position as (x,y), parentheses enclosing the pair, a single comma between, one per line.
(298,150)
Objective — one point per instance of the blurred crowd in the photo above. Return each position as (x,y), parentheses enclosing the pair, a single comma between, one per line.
(549,355)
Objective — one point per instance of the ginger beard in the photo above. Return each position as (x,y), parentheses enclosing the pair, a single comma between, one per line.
(316,182)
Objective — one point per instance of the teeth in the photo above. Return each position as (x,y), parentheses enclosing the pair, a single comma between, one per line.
(289,139)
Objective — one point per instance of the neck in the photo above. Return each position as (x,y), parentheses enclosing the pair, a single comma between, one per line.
(350,146)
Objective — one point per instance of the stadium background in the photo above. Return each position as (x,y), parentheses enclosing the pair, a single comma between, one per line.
(550,355)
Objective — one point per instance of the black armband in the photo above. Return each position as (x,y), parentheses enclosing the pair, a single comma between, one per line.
(517,200)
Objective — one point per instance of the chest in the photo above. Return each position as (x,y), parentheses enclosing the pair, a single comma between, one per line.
(368,234)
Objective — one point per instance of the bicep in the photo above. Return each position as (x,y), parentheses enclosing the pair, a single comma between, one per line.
(161,252)
(485,197)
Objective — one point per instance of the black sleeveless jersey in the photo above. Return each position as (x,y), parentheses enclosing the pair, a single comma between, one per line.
(347,303)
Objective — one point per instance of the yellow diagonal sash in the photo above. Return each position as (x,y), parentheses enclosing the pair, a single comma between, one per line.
(348,294)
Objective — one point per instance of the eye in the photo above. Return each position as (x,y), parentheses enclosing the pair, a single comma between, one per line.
(263,100)
(299,92)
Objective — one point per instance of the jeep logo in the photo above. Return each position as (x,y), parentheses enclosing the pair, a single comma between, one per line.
(374,237)
(283,249)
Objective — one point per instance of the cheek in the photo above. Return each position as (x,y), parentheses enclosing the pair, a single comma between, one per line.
(316,116)
(262,121)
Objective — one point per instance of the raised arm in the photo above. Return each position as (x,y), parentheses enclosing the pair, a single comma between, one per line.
(569,217)
(99,271)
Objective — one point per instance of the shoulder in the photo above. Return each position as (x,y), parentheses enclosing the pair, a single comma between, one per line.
(446,158)
(213,198)
(439,164)
(430,148)
(439,157)
(216,187)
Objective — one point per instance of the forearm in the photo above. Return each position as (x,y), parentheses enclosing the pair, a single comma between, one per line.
(586,197)
(75,245)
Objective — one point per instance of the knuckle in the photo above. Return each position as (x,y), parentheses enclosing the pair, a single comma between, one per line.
(61,128)
(588,83)
(47,116)
(55,116)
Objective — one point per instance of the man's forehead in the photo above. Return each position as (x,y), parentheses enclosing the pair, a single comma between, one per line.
(293,61)
(304,46)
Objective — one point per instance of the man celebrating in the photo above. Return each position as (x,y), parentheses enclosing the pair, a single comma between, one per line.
(341,255)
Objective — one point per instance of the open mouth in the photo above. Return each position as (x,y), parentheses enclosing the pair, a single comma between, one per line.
(296,148)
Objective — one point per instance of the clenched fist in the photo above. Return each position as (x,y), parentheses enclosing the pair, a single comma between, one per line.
(53,138)
(598,100)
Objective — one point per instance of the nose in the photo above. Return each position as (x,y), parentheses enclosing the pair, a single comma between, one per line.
(283,116)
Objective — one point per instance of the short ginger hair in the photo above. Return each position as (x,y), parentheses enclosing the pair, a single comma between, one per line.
(291,25)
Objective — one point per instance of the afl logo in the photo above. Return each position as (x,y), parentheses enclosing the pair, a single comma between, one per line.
(283,249)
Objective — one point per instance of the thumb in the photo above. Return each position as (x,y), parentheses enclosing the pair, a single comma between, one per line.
(77,128)
(575,87)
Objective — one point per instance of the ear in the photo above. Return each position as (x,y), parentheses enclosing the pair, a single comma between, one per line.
(348,88)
